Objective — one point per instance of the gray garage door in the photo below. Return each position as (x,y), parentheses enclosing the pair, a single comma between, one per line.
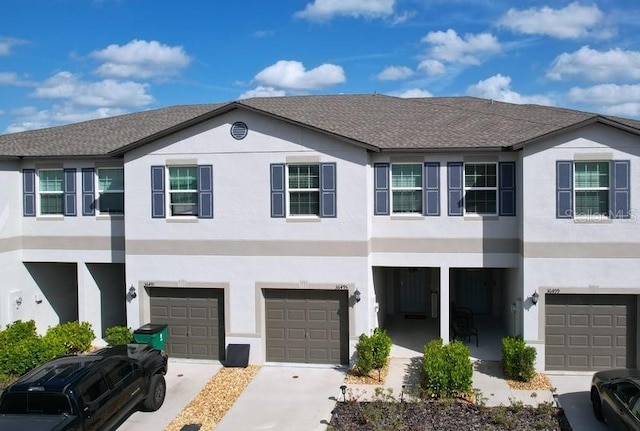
(590,332)
(309,326)
(195,318)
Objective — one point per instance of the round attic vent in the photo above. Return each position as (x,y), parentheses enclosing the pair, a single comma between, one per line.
(239,130)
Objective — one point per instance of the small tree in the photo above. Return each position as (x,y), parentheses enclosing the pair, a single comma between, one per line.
(372,352)
(448,371)
(518,359)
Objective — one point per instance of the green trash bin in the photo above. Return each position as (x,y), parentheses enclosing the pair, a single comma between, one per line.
(153,334)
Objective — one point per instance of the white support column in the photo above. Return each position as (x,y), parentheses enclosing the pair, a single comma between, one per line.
(444,303)
(89,299)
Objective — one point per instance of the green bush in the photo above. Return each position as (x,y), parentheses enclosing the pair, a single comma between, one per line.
(75,337)
(518,359)
(18,331)
(447,369)
(372,352)
(118,335)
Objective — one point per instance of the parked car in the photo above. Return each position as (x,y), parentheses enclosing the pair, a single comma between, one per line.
(615,396)
(86,392)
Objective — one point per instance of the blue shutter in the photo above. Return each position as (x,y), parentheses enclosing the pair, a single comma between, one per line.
(278,200)
(564,189)
(431,189)
(507,188)
(455,188)
(69,188)
(88,192)
(381,189)
(157,192)
(29,192)
(328,190)
(205,191)
(620,188)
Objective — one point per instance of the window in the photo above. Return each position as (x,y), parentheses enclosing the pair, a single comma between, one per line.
(51,191)
(591,188)
(183,191)
(190,190)
(117,371)
(304,190)
(111,190)
(309,188)
(406,188)
(480,188)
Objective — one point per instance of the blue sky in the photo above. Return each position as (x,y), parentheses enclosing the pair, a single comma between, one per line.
(64,61)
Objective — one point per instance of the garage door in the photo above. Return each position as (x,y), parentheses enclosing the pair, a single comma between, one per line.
(195,318)
(590,332)
(309,326)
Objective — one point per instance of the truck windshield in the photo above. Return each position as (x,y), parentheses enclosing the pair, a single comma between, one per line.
(35,402)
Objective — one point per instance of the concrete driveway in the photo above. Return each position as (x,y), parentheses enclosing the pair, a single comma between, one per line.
(286,398)
(185,379)
(574,397)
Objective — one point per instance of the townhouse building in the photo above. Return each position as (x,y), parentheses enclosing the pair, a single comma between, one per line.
(295,224)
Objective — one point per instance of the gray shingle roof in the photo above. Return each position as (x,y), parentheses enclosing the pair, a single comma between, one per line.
(375,121)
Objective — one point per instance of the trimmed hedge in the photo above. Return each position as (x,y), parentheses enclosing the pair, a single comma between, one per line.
(518,359)
(372,352)
(448,371)
(23,349)
(118,335)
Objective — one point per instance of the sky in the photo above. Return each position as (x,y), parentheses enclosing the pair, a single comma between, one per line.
(65,61)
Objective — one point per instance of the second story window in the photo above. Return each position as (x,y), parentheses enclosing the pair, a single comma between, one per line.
(110,190)
(183,190)
(480,188)
(591,188)
(304,190)
(406,188)
(51,191)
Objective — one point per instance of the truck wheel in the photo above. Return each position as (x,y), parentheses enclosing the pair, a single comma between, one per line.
(155,396)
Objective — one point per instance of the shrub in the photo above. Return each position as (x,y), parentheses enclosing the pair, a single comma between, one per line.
(372,352)
(118,335)
(76,337)
(447,369)
(18,331)
(364,355)
(518,359)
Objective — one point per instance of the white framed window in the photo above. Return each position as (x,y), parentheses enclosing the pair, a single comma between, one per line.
(406,188)
(591,188)
(481,188)
(110,190)
(183,191)
(51,191)
(303,183)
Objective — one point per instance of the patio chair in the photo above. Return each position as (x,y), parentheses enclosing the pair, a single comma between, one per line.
(462,325)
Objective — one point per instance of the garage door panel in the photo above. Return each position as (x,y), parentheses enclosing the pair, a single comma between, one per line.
(312,326)
(195,318)
(590,332)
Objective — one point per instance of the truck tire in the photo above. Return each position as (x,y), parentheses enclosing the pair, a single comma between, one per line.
(155,396)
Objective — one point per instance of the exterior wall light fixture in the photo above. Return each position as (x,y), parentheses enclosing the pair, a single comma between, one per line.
(357,295)
(132,292)
(535,297)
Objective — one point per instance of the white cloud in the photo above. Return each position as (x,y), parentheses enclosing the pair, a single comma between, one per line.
(593,65)
(570,22)
(605,94)
(411,93)
(395,73)
(498,87)
(432,67)
(327,9)
(261,91)
(402,17)
(6,43)
(12,79)
(448,47)
(29,117)
(141,59)
(106,93)
(292,75)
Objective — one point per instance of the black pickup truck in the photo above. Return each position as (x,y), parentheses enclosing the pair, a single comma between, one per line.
(86,392)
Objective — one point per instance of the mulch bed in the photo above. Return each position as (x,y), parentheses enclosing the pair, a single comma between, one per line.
(444,416)
(354,377)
